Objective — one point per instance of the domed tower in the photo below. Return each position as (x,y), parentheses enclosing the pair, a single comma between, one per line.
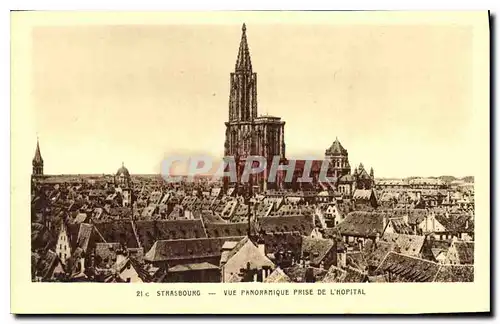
(339,159)
(37,161)
(123,182)
(122,177)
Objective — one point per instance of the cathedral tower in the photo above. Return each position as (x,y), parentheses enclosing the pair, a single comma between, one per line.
(37,161)
(248,134)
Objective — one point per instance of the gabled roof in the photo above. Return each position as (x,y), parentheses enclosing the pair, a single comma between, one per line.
(406,244)
(465,251)
(455,273)
(118,231)
(366,224)
(297,273)
(169,250)
(84,235)
(277,276)
(193,267)
(302,224)
(106,252)
(149,232)
(316,249)
(400,226)
(408,268)
(283,243)
(362,194)
(226,229)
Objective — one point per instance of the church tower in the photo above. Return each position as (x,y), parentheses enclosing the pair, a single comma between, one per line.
(37,161)
(248,134)
(243,93)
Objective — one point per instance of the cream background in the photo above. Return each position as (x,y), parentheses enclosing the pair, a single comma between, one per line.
(28,297)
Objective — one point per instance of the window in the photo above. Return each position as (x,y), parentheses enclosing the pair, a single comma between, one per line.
(128,279)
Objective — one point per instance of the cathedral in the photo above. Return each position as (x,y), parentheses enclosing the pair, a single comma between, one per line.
(247,133)
(251,134)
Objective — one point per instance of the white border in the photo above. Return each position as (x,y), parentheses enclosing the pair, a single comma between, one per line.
(172,5)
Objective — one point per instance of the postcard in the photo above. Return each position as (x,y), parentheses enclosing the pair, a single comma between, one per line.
(250,162)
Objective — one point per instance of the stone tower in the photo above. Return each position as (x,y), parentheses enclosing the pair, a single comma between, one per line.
(248,134)
(37,161)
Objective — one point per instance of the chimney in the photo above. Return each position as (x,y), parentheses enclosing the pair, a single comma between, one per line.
(82,265)
(341,257)
(360,244)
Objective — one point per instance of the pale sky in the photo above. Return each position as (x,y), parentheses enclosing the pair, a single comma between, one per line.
(399,98)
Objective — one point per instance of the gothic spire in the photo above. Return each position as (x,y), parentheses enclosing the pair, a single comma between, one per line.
(38,155)
(243,63)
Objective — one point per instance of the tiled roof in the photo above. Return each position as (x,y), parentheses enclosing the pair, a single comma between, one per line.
(405,244)
(167,250)
(118,231)
(364,224)
(277,276)
(293,210)
(465,251)
(316,249)
(283,242)
(334,274)
(455,273)
(106,252)
(152,231)
(375,254)
(297,273)
(193,267)
(408,269)
(226,229)
(357,260)
(302,224)
(336,148)
(362,194)
(354,275)
(400,226)
(458,223)
(47,263)
(84,236)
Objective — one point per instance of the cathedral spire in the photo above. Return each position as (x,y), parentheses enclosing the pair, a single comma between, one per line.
(243,62)
(37,160)
(38,155)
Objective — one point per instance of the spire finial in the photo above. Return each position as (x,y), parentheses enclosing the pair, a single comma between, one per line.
(243,62)
(123,164)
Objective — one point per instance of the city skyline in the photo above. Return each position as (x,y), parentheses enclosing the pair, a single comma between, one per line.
(124,83)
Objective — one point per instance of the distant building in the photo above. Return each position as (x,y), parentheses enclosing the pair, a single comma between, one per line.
(124,184)
(37,161)
(339,159)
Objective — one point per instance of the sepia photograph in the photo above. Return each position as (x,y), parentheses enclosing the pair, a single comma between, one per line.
(325,151)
